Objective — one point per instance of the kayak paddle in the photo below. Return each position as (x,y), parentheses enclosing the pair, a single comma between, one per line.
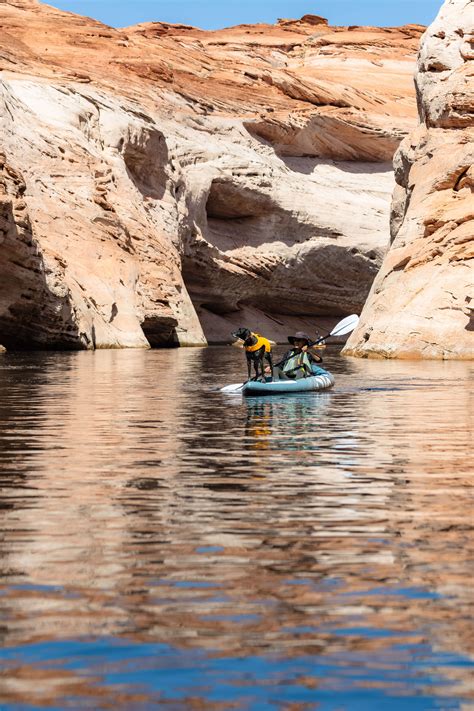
(232,388)
(345,326)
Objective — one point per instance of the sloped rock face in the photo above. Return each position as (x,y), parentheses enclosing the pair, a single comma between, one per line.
(33,301)
(86,257)
(160,177)
(422,302)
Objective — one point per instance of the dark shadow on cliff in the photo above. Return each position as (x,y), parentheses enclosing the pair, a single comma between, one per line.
(160,331)
(470,324)
(31,316)
(239,215)
(307,165)
(340,281)
(322,146)
(146,157)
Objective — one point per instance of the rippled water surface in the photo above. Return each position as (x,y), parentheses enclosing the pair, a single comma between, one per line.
(163,544)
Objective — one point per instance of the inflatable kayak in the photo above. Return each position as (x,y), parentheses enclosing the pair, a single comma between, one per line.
(313,382)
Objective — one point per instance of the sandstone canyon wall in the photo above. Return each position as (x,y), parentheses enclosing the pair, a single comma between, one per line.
(160,183)
(422,302)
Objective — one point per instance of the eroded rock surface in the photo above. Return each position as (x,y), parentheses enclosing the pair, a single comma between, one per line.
(161,177)
(422,302)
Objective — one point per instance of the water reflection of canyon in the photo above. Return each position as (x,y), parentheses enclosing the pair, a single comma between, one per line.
(162,543)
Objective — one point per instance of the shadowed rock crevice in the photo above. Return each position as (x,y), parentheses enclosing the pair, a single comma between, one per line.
(31,315)
(146,156)
(161,332)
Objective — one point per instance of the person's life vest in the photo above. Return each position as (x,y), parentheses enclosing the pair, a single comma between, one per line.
(261,342)
(297,366)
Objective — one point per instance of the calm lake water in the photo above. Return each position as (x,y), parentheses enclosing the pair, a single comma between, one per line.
(164,544)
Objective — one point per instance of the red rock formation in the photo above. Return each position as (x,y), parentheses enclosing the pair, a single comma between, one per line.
(250,161)
(422,302)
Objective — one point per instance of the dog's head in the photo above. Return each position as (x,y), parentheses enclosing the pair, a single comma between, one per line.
(243,333)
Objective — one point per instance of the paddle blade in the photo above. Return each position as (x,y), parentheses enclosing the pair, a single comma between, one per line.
(345,326)
(234,388)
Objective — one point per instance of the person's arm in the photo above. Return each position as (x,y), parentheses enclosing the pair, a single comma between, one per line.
(312,355)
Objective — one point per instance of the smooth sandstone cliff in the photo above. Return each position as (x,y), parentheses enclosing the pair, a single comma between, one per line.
(162,183)
(422,302)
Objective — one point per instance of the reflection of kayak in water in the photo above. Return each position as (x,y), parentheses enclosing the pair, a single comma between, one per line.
(286,421)
(313,382)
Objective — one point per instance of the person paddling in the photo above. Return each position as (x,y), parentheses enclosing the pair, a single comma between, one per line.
(300,361)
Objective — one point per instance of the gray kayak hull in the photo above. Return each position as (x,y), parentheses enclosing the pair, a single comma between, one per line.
(314,382)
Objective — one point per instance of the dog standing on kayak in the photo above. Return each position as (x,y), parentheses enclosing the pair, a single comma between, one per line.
(257,350)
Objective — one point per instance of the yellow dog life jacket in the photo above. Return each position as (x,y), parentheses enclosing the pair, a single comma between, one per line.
(261,341)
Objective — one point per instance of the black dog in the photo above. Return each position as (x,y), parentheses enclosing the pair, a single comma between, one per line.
(257,351)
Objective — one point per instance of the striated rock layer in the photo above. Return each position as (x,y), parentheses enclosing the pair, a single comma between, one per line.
(161,179)
(422,302)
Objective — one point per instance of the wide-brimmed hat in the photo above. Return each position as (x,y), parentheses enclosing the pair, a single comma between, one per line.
(299,336)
